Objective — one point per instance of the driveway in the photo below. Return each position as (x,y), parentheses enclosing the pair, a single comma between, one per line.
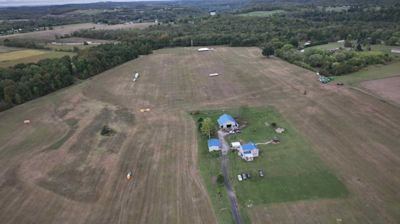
(228,186)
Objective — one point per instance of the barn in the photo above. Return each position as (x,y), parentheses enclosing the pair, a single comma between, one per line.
(214,144)
(226,121)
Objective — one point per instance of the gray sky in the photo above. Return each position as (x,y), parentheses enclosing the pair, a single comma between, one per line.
(4,3)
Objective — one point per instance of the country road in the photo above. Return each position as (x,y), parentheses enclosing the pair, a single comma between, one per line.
(229,189)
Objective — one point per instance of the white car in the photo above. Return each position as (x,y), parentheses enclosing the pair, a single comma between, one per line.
(240,177)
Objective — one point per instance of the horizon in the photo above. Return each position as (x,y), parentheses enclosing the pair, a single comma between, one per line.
(27,3)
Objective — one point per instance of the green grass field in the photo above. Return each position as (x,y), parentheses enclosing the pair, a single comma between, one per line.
(375,47)
(262,13)
(292,170)
(8,59)
(370,73)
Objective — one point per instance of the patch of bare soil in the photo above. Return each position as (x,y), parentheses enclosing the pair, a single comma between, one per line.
(388,88)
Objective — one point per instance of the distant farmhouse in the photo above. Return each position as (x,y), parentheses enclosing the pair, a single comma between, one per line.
(248,151)
(213,13)
(226,121)
(214,145)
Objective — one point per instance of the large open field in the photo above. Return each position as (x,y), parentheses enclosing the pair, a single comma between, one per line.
(58,31)
(59,169)
(27,56)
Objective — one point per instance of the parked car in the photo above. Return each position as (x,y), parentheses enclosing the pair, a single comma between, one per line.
(248,175)
(240,177)
(340,83)
(261,173)
(244,176)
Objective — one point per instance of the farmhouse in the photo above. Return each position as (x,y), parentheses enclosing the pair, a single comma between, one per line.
(248,151)
(213,13)
(226,121)
(214,145)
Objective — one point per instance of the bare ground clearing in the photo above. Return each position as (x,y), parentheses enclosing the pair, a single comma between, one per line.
(348,130)
(388,88)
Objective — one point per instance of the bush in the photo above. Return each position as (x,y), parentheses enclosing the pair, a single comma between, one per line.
(220,179)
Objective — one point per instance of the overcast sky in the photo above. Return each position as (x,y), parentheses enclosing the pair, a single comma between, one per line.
(4,3)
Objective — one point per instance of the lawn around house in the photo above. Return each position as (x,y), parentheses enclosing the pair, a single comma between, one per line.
(292,170)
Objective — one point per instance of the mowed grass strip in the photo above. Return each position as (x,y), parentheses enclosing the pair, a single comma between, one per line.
(15,55)
(292,170)
(29,56)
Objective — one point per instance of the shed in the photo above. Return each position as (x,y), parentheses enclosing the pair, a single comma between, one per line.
(236,145)
(227,121)
(214,144)
(395,50)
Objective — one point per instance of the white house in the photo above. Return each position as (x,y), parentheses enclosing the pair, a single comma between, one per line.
(248,151)
(214,145)
(226,121)
(213,13)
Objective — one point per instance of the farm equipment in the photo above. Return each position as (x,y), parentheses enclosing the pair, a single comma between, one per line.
(324,79)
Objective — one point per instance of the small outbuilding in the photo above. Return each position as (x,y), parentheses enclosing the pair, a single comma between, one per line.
(395,50)
(226,121)
(236,145)
(214,144)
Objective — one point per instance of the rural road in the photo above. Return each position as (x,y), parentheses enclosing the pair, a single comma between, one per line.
(229,189)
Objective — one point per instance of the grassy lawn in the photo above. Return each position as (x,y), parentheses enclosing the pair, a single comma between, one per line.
(370,73)
(327,46)
(262,13)
(292,170)
(29,56)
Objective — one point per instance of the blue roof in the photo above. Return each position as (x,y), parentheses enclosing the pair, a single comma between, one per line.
(249,146)
(213,142)
(225,118)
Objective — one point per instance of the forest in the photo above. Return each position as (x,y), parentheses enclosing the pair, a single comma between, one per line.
(282,35)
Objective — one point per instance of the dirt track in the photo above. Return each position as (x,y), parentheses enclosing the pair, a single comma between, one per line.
(50,176)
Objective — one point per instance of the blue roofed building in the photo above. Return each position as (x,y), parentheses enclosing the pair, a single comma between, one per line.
(226,121)
(248,151)
(214,145)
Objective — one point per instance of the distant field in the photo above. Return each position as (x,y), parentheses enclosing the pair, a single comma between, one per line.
(58,31)
(370,73)
(375,47)
(327,46)
(388,88)
(292,170)
(28,56)
(4,49)
(262,13)
(68,44)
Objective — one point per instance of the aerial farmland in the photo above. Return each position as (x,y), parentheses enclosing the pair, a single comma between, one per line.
(226,111)
(60,165)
